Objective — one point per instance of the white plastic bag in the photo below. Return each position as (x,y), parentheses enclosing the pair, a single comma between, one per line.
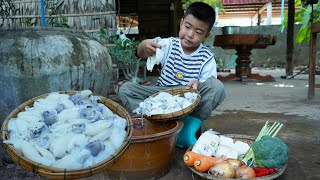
(207,143)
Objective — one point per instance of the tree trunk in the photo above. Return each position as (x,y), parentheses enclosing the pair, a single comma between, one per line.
(290,38)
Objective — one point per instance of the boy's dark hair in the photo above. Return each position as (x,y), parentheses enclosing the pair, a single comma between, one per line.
(203,12)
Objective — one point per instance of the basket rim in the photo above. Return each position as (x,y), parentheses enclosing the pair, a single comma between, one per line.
(178,114)
(59,173)
(160,135)
(238,136)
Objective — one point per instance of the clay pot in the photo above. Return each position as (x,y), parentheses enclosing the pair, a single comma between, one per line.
(151,150)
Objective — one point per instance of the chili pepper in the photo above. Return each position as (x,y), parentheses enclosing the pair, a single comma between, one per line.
(261,171)
(264,171)
(259,174)
(273,170)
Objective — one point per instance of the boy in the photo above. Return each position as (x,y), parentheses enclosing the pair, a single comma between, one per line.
(186,62)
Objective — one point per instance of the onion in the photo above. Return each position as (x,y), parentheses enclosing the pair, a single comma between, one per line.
(234,163)
(222,170)
(245,172)
(221,159)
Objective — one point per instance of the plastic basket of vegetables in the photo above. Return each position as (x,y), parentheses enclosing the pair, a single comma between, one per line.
(265,157)
(67,135)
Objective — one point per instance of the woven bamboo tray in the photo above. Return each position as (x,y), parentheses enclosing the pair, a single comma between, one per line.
(249,140)
(56,173)
(178,114)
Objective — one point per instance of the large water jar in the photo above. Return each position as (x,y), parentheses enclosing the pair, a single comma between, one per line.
(34,61)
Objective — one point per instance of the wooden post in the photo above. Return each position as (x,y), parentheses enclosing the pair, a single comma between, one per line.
(290,39)
(315,28)
(269,13)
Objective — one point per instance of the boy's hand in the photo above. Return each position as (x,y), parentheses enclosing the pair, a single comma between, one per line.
(193,84)
(147,48)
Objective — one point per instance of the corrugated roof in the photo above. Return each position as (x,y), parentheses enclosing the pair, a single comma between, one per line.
(249,8)
(226,2)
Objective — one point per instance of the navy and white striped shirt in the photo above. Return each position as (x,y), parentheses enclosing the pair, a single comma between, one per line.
(179,68)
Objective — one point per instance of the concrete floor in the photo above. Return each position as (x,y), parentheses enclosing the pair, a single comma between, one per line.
(244,111)
(302,136)
(248,106)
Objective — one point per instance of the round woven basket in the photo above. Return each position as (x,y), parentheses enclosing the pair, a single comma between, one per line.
(57,173)
(178,114)
(249,140)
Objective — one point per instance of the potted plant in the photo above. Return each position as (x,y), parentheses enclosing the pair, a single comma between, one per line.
(123,53)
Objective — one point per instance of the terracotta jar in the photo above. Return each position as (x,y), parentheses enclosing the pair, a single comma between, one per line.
(151,150)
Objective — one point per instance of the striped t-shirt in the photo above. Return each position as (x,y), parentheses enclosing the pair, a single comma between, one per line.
(179,68)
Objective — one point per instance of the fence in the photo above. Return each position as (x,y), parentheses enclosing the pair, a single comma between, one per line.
(87,15)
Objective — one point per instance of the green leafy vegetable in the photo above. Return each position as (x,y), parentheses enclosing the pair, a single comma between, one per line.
(265,131)
(270,152)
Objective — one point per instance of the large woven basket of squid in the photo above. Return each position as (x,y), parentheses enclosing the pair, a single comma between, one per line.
(67,135)
(170,104)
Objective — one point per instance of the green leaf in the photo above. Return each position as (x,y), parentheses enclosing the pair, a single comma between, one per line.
(297,3)
(306,17)
(303,34)
(284,22)
(302,16)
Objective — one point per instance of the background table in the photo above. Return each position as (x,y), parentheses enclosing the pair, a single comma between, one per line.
(243,44)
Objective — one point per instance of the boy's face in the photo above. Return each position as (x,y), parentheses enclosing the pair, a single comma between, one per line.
(192,32)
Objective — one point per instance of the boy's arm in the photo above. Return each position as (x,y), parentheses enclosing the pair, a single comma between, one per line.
(147,48)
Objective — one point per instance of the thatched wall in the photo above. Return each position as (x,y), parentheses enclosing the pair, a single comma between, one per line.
(87,15)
